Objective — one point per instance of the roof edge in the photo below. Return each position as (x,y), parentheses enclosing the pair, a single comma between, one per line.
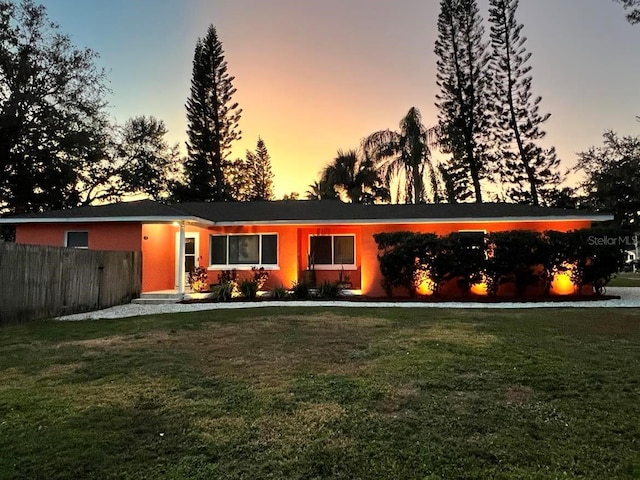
(412,221)
(123,219)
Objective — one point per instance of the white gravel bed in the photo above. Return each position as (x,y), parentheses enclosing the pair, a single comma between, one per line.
(630,298)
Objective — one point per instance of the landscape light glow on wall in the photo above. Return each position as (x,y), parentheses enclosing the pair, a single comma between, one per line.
(562,283)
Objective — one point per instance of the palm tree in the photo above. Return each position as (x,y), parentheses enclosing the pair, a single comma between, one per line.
(321,190)
(405,156)
(356,177)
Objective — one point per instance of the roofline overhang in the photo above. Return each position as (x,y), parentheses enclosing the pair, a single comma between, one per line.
(156,219)
(393,221)
(415,221)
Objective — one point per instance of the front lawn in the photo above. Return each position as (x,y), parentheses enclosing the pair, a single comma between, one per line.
(625,279)
(319,393)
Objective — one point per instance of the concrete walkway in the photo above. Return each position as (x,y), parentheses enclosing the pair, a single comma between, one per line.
(629,298)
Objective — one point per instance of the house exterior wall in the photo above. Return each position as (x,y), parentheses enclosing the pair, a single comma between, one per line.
(289,254)
(158,245)
(158,257)
(102,236)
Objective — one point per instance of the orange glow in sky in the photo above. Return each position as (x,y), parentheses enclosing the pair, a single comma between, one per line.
(315,76)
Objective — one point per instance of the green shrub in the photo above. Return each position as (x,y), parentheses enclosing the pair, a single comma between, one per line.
(330,290)
(225,291)
(280,293)
(513,257)
(405,257)
(248,289)
(521,257)
(300,291)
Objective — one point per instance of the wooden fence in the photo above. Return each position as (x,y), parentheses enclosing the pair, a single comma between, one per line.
(43,282)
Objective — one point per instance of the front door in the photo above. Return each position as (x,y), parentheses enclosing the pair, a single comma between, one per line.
(191,250)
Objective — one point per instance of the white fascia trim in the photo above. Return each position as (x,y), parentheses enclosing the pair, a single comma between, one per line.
(190,220)
(396,221)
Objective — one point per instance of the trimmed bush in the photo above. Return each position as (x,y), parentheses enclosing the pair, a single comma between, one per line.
(521,257)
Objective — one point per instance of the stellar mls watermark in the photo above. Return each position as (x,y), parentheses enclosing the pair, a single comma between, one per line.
(619,241)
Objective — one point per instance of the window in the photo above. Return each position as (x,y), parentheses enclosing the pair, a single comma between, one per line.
(472,238)
(244,250)
(77,239)
(333,249)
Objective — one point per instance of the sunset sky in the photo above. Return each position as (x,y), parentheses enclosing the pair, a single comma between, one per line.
(315,76)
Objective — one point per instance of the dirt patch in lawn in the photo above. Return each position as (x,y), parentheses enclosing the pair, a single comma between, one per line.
(270,351)
(518,394)
(266,350)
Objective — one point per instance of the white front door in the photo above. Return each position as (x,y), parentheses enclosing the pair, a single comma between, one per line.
(191,254)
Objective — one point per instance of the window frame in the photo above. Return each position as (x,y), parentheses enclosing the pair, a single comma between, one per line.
(484,240)
(66,238)
(245,266)
(335,266)
(483,232)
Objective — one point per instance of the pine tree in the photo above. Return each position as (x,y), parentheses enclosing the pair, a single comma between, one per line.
(212,123)
(462,101)
(530,171)
(260,174)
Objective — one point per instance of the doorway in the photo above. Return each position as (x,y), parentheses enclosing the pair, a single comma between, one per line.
(191,254)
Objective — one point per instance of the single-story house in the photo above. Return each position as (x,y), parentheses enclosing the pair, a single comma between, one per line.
(280,236)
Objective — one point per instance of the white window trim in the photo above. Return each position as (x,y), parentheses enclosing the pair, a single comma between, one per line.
(336,266)
(66,238)
(245,266)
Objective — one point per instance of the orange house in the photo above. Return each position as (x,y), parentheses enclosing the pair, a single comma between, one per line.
(281,236)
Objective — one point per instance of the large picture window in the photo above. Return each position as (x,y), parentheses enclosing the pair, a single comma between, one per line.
(241,250)
(333,249)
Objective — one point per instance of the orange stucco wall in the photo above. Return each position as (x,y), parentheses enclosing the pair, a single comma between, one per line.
(288,254)
(158,257)
(158,245)
(102,236)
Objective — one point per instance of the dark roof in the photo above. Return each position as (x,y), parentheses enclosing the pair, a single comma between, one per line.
(133,210)
(332,210)
(304,211)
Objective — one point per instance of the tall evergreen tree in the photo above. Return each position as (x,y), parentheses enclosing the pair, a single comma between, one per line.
(462,102)
(530,171)
(213,118)
(258,164)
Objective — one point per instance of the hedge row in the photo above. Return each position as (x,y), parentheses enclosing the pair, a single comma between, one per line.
(522,257)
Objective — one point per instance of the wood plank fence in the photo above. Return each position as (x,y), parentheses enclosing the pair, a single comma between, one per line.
(44,282)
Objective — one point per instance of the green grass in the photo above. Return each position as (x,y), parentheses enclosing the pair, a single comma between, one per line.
(625,279)
(324,394)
